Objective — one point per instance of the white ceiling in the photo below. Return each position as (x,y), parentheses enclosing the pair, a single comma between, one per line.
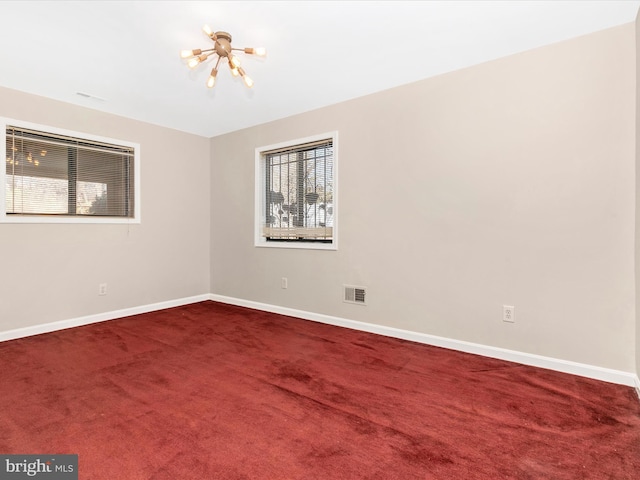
(319,52)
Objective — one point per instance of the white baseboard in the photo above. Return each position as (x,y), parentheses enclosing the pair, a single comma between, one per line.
(583,370)
(100,317)
(565,366)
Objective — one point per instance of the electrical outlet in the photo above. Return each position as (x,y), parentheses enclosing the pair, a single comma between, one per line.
(284,283)
(102,289)
(508,313)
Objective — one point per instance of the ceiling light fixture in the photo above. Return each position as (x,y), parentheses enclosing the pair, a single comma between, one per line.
(222,49)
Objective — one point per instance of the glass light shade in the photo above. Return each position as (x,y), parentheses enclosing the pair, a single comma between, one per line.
(186,53)
(247,81)
(193,62)
(260,51)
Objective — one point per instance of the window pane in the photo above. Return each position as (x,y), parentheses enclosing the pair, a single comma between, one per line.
(298,203)
(53,174)
(111,174)
(36,195)
(91,198)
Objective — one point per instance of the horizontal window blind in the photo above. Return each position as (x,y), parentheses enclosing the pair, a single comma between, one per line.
(299,197)
(49,174)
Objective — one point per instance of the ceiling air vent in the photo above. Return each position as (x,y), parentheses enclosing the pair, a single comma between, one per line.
(355,294)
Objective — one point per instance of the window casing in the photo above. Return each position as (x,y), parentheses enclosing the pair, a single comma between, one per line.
(58,176)
(296,194)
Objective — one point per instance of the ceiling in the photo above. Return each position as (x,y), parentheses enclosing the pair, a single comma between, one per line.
(125,54)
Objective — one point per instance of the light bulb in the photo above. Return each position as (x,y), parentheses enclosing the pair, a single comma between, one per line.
(234,61)
(196,60)
(190,53)
(212,78)
(206,29)
(260,51)
(247,80)
(234,70)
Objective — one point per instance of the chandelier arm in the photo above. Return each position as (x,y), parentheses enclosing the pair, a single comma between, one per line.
(196,52)
(259,51)
(247,50)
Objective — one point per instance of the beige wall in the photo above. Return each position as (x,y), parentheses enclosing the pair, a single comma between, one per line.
(51,272)
(511,182)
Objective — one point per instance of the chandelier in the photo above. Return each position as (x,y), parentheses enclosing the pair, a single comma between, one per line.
(222,49)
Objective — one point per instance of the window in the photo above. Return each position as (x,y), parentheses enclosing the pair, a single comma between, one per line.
(296,194)
(58,176)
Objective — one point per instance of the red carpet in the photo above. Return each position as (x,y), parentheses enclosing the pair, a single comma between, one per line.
(211,391)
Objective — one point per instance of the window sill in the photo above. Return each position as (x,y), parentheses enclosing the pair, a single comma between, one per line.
(297,245)
(41,219)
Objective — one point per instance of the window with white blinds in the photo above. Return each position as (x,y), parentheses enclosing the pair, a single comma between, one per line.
(296,192)
(61,175)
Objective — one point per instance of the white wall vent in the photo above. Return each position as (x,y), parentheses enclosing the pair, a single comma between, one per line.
(354,294)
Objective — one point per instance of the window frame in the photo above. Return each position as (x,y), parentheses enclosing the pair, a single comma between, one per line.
(260,194)
(61,218)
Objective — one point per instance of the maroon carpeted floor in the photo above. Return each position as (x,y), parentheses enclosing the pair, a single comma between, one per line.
(212,391)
